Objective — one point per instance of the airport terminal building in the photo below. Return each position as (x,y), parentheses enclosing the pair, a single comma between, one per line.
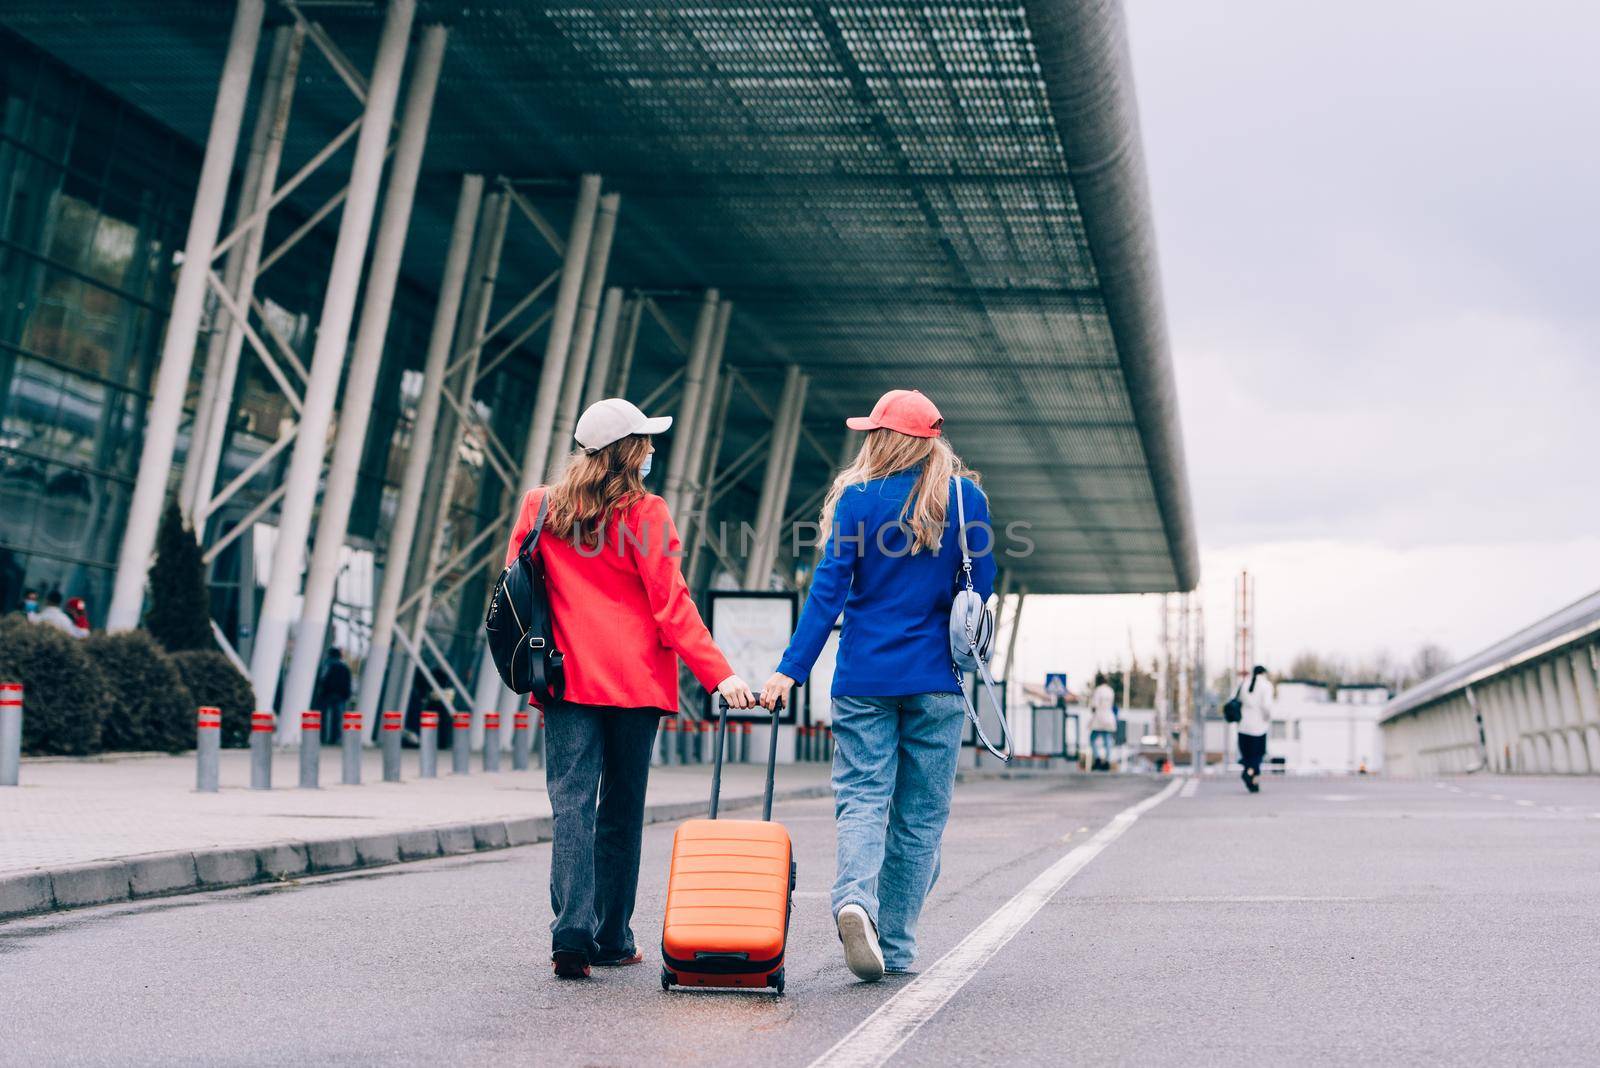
(337,277)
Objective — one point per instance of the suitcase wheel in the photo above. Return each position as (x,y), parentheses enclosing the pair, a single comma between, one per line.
(667,979)
(776,981)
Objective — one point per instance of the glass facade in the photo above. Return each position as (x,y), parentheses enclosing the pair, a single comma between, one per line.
(94,201)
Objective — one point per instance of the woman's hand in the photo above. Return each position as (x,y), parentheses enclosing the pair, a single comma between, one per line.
(735,692)
(776,689)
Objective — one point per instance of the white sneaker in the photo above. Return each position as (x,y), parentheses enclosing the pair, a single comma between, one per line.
(860,940)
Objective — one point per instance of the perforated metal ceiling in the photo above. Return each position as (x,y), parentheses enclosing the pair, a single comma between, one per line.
(948,196)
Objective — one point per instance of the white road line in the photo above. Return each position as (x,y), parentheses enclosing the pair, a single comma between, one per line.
(1189,788)
(877,1037)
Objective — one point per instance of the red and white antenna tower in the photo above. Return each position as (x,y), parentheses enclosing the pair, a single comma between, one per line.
(1244,624)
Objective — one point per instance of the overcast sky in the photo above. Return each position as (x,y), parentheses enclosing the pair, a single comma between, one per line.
(1377,224)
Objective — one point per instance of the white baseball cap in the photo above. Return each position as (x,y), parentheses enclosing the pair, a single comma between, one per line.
(613,419)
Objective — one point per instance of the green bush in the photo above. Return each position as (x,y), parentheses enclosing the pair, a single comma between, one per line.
(150,708)
(64,693)
(213,681)
(180,602)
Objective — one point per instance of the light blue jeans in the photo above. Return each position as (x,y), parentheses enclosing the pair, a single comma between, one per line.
(894,766)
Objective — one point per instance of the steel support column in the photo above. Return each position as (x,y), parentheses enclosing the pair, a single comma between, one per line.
(327,360)
(605,348)
(470,332)
(488,691)
(226,343)
(691,407)
(558,345)
(630,342)
(398,551)
(696,451)
(775,482)
(383,276)
(188,303)
(582,349)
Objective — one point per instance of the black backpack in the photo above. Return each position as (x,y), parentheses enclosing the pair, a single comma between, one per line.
(1233,710)
(518,625)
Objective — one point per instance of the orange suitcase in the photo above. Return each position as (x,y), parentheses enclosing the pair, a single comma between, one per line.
(729,893)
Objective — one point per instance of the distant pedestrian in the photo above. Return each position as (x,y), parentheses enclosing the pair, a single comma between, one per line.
(78,610)
(30,604)
(51,615)
(333,693)
(1102,723)
(1255,718)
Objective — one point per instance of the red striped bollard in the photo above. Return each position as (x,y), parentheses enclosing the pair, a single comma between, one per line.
(392,722)
(708,739)
(744,743)
(350,741)
(521,740)
(669,739)
(10,733)
(491,740)
(428,745)
(208,750)
(461,743)
(262,724)
(310,749)
(538,742)
(827,742)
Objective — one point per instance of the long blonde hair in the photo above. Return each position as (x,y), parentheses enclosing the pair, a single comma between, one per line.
(595,486)
(887,452)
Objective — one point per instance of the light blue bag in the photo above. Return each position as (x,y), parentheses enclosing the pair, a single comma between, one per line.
(972,640)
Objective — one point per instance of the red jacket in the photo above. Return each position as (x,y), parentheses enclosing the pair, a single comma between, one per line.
(622,610)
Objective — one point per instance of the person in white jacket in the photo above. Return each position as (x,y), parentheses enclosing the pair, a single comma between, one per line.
(1102,723)
(1255,719)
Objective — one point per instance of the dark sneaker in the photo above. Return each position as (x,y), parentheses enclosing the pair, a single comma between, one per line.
(570,964)
(620,962)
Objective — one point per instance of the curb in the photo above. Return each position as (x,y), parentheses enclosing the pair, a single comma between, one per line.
(106,882)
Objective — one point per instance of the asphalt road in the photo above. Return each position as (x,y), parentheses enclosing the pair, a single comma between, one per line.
(1323,921)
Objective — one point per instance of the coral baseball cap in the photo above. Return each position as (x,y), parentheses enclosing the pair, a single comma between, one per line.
(905,411)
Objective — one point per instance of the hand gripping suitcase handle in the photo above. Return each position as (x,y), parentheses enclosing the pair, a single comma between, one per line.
(772,757)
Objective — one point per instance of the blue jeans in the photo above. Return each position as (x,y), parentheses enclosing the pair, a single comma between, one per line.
(894,766)
(1100,744)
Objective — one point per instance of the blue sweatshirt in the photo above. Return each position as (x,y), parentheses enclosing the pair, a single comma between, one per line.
(896,636)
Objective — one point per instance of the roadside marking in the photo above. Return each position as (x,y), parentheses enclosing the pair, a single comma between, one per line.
(1525,804)
(1189,788)
(875,1039)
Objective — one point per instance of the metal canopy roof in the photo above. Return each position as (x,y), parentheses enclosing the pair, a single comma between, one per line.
(947,196)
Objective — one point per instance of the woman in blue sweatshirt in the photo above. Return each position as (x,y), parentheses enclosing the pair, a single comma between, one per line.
(892,562)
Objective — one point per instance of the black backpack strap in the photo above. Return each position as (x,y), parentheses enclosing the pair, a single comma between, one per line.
(532,538)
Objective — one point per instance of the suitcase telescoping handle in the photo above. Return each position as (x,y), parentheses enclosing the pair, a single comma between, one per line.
(772,757)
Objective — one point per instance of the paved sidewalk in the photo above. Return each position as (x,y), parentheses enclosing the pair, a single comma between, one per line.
(110,828)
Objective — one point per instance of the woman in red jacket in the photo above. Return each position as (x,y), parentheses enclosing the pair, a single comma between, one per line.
(622,618)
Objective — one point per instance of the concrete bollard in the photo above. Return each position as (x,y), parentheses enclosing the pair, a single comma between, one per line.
(538,742)
(521,741)
(351,740)
(208,750)
(461,744)
(708,741)
(392,722)
(428,746)
(491,741)
(10,733)
(262,724)
(827,742)
(669,740)
(310,749)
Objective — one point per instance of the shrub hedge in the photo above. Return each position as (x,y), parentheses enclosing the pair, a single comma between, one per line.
(150,709)
(65,694)
(212,680)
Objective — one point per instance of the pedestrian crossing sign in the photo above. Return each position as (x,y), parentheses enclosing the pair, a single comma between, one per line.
(1055,684)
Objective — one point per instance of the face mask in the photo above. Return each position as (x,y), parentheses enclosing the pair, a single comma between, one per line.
(644,468)
(30,606)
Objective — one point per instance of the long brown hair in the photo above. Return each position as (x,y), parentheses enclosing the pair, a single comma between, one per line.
(886,452)
(594,486)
